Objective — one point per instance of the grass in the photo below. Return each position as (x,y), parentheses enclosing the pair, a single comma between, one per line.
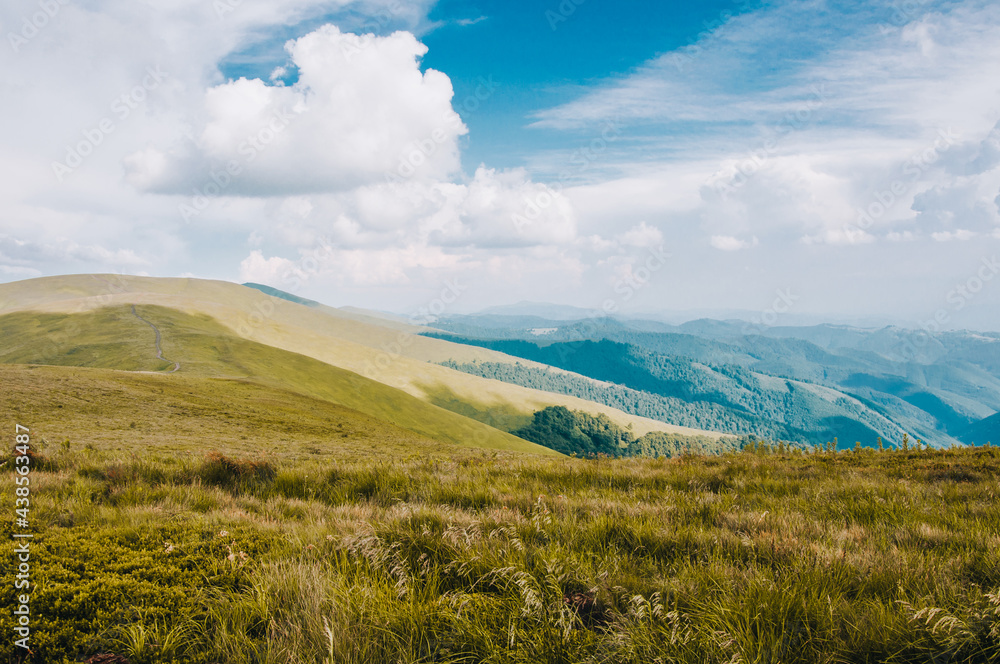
(262,507)
(458,555)
(113,338)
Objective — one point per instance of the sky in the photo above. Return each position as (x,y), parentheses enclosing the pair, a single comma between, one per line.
(777,160)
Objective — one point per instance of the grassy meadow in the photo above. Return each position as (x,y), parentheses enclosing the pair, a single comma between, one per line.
(319,549)
(261,506)
(212,360)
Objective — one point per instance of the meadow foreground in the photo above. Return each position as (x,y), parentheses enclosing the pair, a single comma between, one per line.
(326,553)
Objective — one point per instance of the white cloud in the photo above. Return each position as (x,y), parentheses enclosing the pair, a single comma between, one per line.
(729,243)
(846,235)
(66,251)
(272,271)
(858,74)
(641,235)
(902,122)
(360,112)
(947,236)
(503,209)
(701,119)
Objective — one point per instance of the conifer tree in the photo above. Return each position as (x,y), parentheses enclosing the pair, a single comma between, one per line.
(881,448)
(906,442)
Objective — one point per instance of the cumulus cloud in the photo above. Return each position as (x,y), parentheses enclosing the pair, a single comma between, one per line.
(360,112)
(503,209)
(346,152)
(729,243)
(963,199)
(271,271)
(642,235)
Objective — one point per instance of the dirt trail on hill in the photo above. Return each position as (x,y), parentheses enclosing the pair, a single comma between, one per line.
(159,351)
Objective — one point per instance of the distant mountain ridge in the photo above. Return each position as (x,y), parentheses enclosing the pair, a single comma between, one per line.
(540,310)
(274,292)
(678,318)
(984,431)
(890,380)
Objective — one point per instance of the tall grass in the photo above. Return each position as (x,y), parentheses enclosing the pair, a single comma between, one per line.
(829,557)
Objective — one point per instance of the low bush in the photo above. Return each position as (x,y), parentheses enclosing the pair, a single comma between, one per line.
(237,475)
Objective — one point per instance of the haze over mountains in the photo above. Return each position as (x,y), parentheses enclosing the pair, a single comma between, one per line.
(562,312)
(798,383)
(476,380)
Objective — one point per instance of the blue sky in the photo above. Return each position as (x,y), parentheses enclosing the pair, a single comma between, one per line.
(537,55)
(543,58)
(849,151)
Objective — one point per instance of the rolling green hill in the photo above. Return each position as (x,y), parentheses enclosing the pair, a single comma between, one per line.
(383,349)
(114,338)
(186,415)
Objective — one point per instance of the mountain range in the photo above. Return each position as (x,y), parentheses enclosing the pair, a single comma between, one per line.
(502,380)
(808,384)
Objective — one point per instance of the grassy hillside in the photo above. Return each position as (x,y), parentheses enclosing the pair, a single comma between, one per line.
(384,350)
(114,338)
(187,415)
(305,558)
